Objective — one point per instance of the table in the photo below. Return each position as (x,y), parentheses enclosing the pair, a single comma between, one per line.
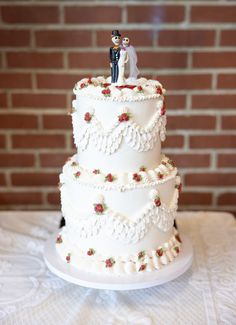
(30,294)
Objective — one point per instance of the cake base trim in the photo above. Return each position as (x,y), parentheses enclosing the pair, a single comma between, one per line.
(143,261)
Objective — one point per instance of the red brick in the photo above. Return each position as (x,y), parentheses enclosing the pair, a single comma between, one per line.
(228,122)
(31,100)
(38,141)
(198,81)
(137,37)
(186,37)
(34,179)
(3,100)
(16,160)
(54,198)
(210,179)
(18,121)
(202,122)
(195,198)
(91,60)
(228,37)
(15,80)
(226,160)
(63,38)
(190,160)
(213,141)
(20,198)
(34,60)
(57,81)
(2,180)
(14,37)
(226,81)
(2,141)
(213,13)
(227,199)
(162,60)
(53,159)
(214,101)
(95,14)
(214,60)
(28,14)
(155,14)
(175,101)
(174,141)
(61,122)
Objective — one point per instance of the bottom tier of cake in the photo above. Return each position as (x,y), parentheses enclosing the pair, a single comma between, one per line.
(120,228)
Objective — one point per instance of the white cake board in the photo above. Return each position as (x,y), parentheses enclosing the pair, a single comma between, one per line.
(118,282)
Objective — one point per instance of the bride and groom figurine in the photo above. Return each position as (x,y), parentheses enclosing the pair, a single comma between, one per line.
(120,54)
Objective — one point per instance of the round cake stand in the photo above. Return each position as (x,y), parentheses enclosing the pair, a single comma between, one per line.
(115,282)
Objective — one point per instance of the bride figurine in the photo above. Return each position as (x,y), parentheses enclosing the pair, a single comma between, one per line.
(124,58)
(133,70)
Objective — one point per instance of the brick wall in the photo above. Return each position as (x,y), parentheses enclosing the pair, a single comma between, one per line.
(47,46)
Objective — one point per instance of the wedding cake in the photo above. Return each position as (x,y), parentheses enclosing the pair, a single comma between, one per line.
(119,193)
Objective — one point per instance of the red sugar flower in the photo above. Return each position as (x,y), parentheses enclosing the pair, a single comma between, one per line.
(59,239)
(90,81)
(90,252)
(110,262)
(77,174)
(87,117)
(164,163)
(137,177)
(124,117)
(106,92)
(109,178)
(159,251)
(157,201)
(176,248)
(179,187)
(82,85)
(96,171)
(160,175)
(171,162)
(140,89)
(68,258)
(141,254)
(159,90)
(142,169)
(142,267)
(99,208)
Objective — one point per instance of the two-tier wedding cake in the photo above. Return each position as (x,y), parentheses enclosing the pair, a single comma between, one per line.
(119,193)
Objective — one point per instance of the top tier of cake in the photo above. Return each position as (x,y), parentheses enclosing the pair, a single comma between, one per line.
(118,129)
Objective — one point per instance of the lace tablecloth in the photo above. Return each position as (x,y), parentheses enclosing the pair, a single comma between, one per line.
(30,294)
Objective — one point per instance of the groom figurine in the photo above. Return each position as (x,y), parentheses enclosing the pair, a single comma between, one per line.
(115,55)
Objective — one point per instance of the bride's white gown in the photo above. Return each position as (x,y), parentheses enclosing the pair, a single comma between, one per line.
(121,65)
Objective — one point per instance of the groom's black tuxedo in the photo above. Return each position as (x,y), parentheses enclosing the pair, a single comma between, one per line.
(114,58)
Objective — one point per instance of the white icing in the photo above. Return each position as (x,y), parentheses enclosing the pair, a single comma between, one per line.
(95,90)
(122,142)
(109,140)
(115,225)
(123,181)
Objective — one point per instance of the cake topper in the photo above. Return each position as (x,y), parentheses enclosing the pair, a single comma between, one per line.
(115,55)
(133,70)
